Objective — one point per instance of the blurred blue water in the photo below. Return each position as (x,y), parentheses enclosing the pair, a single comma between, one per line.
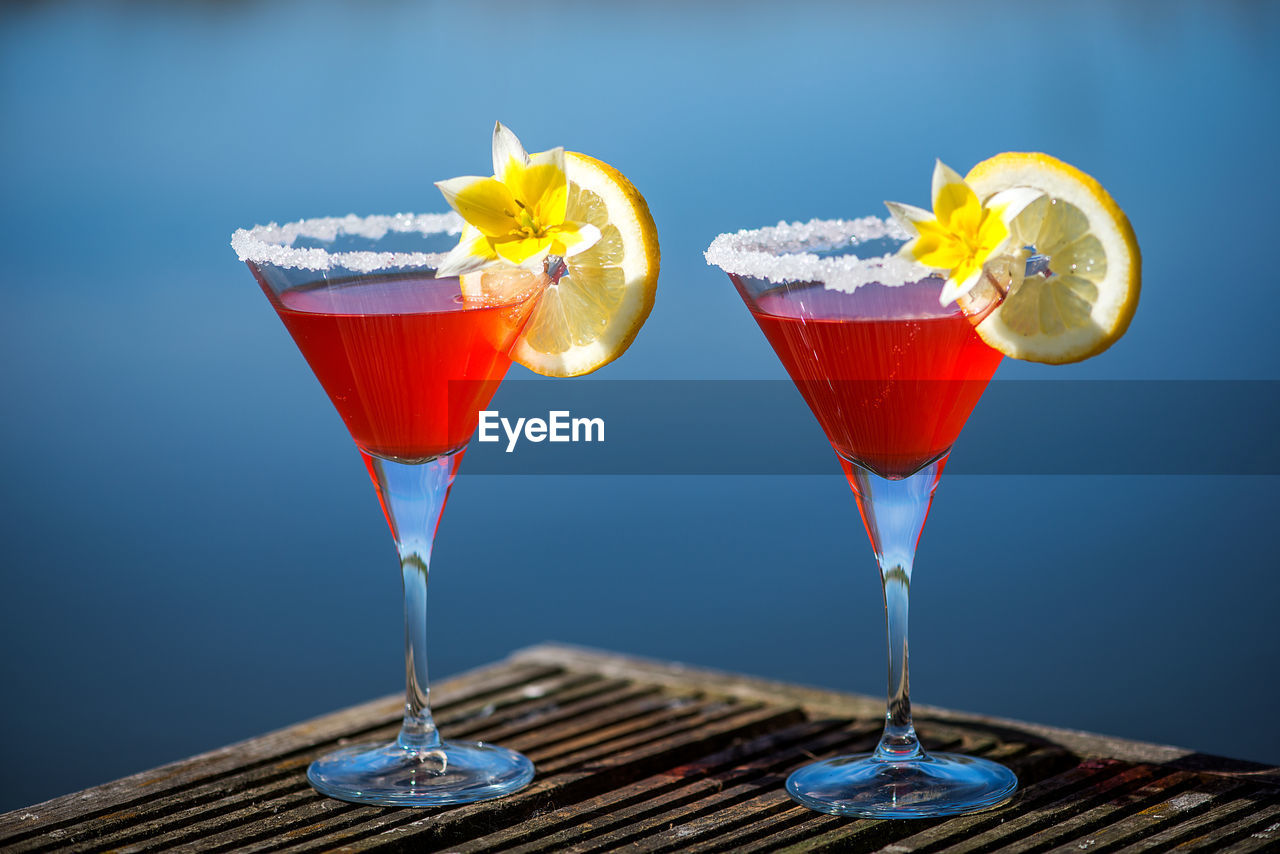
(192,552)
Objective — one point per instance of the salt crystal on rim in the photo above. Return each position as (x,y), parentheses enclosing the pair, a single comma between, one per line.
(273,244)
(786,253)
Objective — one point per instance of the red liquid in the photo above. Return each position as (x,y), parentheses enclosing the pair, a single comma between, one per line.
(891,394)
(407,364)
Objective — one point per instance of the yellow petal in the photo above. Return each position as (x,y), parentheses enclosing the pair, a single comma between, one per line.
(924,246)
(486,203)
(992,235)
(472,252)
(507,150)
(1012,203)
(936,247)
(942,176)
(570,238)
(524,251)
(956,287)
(908,215)
(966,273)
(544,188)
(958,208)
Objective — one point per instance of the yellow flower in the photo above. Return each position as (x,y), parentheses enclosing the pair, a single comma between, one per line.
(516,216)
(962,234)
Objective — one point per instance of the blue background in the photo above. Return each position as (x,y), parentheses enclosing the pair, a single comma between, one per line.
(192,553)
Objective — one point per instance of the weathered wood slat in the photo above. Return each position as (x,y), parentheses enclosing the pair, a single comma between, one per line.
(1143,816)
(202,808)
(795,826)
(625,806)
(715,793)
(462,822)
(1033,823)
(653,757)
(300,739)
(1262,829)
(1208,829)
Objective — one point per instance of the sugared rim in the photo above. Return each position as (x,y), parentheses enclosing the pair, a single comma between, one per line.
(785,253)
(273,244)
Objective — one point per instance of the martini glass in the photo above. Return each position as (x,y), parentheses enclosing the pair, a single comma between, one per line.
(891,377)
(408,362)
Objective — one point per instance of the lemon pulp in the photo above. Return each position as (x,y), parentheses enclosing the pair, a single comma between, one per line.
(1083,296)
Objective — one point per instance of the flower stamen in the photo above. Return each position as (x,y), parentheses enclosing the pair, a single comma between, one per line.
(962,234)
(517,216)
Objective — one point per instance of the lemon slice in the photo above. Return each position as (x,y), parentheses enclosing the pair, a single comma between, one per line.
(1085,288)
(592,314)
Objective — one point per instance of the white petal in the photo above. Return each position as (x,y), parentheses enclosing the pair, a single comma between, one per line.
(1013,201)
(590,236)
(908,249)
(471,253)
(506,147)
(460,264)
(453,186)
(555,157)
(908,215)
(953,290)
(469,235)
(942,176)
(535,262)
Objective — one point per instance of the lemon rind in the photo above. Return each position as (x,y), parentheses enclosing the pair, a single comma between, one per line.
(1113,311)
(641,260)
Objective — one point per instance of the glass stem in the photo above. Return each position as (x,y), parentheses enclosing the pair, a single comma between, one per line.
(894,512)
(413,496)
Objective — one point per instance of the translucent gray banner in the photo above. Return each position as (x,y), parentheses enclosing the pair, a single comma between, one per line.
(1175,427)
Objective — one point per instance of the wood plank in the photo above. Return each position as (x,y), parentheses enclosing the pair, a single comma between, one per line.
(656,756)
(713,790)
(776,832)
(1262,828)
(263,750)
(624,806)
(819,700)
(451,827)
(176,813)
(1153,809)
(1240,815)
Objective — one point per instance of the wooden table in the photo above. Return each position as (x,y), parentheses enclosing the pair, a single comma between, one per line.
(652,756)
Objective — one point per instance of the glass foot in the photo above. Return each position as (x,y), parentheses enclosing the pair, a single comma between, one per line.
(456,772)
(934,785)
